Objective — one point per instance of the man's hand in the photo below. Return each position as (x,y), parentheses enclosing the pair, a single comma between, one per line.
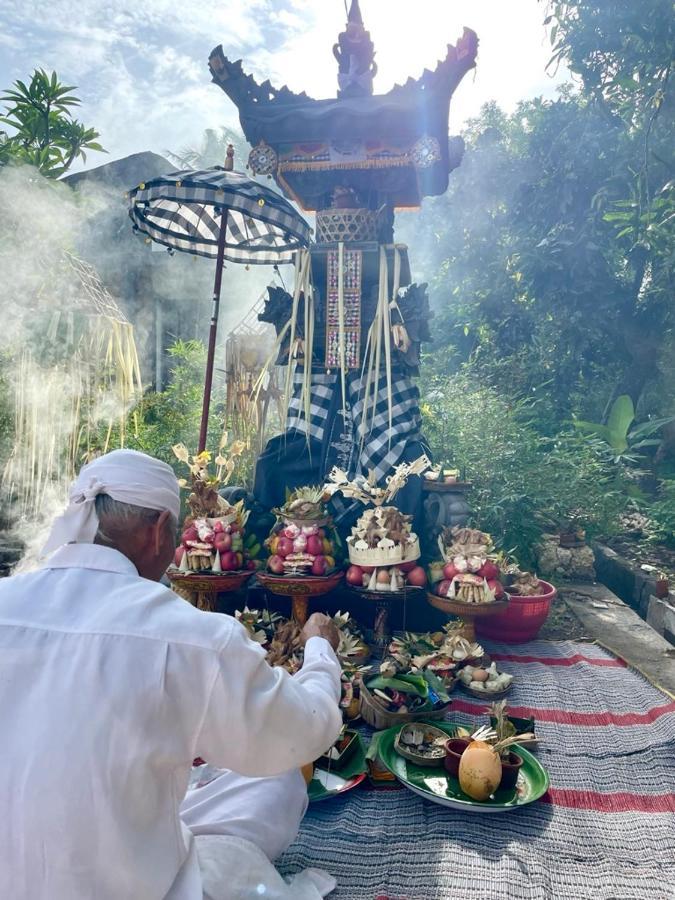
(320,625)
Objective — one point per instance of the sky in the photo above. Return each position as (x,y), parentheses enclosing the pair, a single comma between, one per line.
(140,66)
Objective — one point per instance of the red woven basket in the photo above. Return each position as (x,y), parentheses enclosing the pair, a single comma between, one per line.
(522,619)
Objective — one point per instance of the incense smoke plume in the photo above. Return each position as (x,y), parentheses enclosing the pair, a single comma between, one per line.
(67,367)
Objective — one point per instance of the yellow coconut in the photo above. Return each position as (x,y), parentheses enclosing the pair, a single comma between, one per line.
(480,770)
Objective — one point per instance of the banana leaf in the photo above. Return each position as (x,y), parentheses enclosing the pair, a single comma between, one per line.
(406,684)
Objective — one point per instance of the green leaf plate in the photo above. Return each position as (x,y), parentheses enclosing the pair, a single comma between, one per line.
(329,783)
(439,786)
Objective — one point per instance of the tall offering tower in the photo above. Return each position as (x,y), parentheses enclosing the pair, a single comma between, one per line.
(350,332)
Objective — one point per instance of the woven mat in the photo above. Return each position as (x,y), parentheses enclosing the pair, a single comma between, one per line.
(605,830)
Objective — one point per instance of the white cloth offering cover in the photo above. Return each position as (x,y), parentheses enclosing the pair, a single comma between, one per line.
(110,686)
(125,475)
(250,874)
(240,824)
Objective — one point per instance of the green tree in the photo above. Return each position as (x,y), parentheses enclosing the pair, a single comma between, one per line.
(623,52)
(44,133)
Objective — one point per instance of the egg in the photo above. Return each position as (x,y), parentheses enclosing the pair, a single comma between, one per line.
(383,576)
(480,675)
(480,770)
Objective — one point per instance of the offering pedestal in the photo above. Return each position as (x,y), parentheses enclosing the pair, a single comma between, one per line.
(299,588)
(468,612)
(203,588)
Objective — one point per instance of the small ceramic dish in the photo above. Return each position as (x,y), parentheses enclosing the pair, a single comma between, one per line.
(422,744)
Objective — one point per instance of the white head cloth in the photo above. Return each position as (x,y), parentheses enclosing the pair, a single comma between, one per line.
(125,475)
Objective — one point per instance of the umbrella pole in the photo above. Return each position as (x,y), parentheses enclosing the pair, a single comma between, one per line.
(210,357)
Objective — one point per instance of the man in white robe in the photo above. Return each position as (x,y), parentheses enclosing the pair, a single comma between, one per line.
(111,685)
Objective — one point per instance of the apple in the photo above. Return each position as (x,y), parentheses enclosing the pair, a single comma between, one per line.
(407,566)
(284,547)
(368,569)
(417,577)
(495,586)
(178,556)
(218,527)
(450,570)
(276,565)
(443,588)
(314,545)
(222,541)
(228,561)
(489,570)
(250,565)
(354,575)
(319,566)
(190,534)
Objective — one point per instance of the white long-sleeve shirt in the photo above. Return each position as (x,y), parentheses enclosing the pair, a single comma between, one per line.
(110,685)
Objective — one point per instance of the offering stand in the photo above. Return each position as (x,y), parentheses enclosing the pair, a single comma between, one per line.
(299,589)
(203,589)
(468,612)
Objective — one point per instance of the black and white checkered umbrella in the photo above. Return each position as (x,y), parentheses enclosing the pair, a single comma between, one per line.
(183,211)
(222,214)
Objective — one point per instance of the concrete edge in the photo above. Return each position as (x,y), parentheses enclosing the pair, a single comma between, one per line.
(617,627)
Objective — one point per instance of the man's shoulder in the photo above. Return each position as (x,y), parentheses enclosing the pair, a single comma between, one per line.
(170,615)
(123,604)
(156,612)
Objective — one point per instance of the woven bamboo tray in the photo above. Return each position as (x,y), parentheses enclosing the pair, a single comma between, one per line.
(379,718)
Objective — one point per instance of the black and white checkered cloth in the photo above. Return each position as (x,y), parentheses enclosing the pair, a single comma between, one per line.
(378,445)
(182,211)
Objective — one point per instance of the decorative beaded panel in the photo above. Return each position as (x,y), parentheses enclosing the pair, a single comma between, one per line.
(351,293)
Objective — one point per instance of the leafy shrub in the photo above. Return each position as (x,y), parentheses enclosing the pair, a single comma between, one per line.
(662,513)
(173,416)
(524,484)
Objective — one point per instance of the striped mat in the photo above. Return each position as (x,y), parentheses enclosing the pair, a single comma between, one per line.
(605,830)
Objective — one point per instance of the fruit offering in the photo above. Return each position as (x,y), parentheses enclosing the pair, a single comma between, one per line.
(303,541)
(213,539)
(468,574)
(383,578)
(216,544)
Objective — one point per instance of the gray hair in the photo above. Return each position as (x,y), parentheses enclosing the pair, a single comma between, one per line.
(115,518)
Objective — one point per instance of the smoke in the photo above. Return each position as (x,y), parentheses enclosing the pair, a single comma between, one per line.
(56,381)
